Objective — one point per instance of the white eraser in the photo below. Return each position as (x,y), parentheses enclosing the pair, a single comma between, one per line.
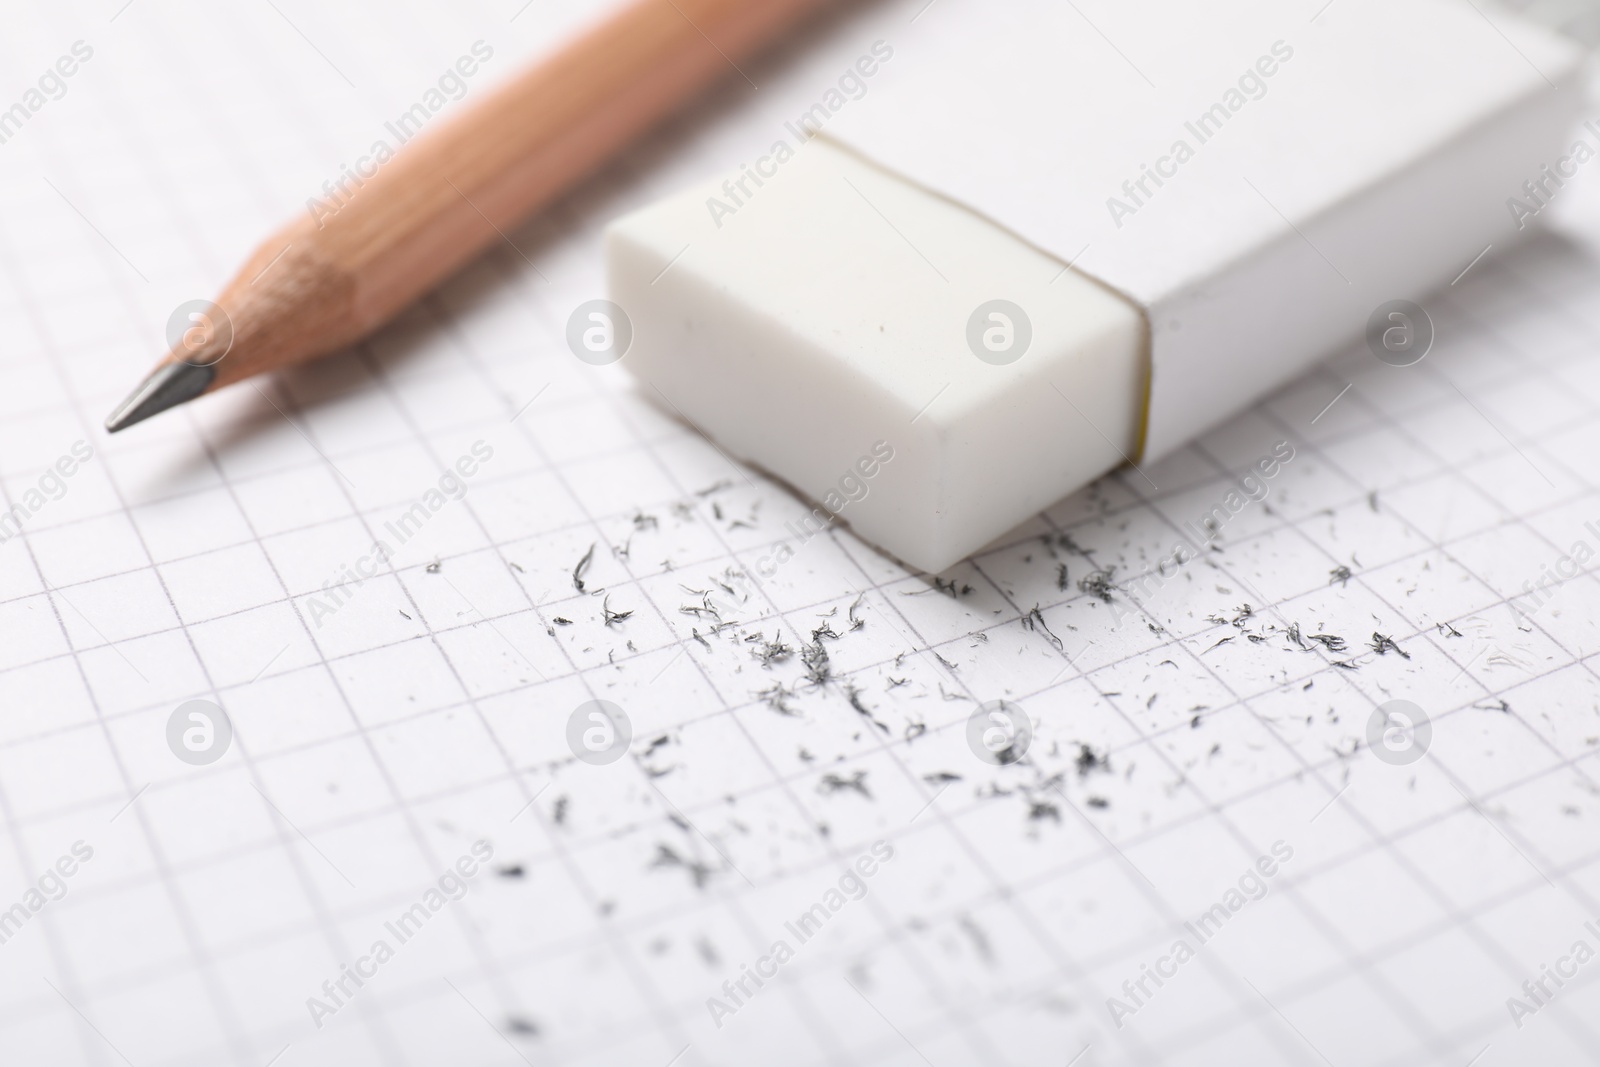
(1020,263)
(802,341)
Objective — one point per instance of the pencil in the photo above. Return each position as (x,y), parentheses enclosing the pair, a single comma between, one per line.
(327,280)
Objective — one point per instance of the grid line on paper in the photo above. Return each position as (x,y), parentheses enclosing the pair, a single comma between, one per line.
(22,739)
(1533,884)
(231,1015)
(1381,842)
(446,558)
(481,950)
(808,1011)
(1242,1005)
(620,950)
(1386,989)
(220,1003)
(1460,919)
(58,952)
(1464,920)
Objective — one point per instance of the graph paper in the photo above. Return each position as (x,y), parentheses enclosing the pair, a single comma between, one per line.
(1217,847)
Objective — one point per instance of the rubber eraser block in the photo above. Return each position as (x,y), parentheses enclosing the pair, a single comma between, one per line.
(1018,264)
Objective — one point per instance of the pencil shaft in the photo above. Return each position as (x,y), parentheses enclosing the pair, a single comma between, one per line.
(331,277)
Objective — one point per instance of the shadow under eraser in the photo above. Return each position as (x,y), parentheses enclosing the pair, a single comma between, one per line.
(1030,256)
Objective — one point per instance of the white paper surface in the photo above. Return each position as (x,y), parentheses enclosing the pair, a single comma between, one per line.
(431,710)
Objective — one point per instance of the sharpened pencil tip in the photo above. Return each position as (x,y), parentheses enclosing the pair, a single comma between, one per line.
(167,386)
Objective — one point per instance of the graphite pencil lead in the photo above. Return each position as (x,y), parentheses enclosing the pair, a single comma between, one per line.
(166,387)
